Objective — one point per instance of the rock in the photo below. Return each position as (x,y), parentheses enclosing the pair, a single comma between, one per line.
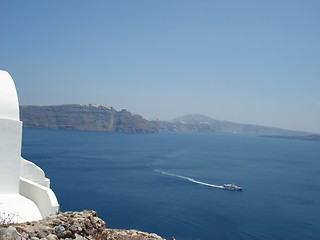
(83,225)
(79,237)
(42,234)
(11,233)
(75,227)
(67,234)
(52,237)
(59,231)
(119,234)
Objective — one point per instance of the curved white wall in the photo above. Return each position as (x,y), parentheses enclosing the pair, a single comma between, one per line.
(43,197)
(9,105)
(10,152)
(31,171)
(24,189)
(10,136)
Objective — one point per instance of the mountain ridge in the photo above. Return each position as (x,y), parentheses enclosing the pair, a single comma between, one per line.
(103,117)
(233,127)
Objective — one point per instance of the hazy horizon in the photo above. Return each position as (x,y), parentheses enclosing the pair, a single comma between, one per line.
(254,62)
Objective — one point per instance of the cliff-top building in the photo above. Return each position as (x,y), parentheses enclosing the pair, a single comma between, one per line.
(25,193)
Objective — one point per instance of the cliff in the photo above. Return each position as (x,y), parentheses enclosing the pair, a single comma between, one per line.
(93,117)
(102,117)
(232,127)
(83,225)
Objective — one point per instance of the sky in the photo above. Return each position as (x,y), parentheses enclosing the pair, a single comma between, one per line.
(247,61)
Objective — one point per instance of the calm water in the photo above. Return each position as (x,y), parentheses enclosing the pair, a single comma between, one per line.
(118,176)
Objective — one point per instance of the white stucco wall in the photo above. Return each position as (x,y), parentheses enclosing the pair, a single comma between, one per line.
(10,152)
(9,105)
(31,171)
(42,196)
(24,189)
(10,136)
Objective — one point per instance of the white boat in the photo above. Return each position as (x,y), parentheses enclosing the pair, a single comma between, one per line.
(232,187)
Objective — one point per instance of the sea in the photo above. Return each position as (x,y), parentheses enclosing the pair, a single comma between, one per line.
(165,183)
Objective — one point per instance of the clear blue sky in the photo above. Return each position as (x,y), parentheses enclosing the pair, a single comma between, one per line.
(248,61)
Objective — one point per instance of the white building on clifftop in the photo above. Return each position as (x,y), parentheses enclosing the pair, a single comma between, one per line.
(25,193)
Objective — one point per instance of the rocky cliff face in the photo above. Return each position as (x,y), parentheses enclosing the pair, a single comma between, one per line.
(93,117)
(83,225)
(101,117)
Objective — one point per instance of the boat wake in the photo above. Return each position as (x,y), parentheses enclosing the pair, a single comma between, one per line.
(190,179)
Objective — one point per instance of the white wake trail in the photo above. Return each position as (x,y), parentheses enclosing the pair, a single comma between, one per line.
(189,179)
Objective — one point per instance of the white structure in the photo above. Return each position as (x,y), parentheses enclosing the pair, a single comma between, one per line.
(25,193)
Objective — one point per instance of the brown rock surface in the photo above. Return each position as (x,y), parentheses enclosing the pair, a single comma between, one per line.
(120,234)
(83,225)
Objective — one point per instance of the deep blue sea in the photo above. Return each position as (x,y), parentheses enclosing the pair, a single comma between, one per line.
(122,177)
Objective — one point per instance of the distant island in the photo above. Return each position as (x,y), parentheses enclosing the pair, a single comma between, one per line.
(313,137)
(91,117)
(102,117)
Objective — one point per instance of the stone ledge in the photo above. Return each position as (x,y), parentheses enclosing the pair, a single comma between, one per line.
(83,225)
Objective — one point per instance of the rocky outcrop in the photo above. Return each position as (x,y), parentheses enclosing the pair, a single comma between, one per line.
(83,225)
(91,117)
(119,234)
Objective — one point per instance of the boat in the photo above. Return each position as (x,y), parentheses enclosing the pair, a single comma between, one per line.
(232,187)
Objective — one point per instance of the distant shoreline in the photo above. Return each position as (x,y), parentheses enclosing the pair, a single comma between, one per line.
(313,137)
(103,117)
